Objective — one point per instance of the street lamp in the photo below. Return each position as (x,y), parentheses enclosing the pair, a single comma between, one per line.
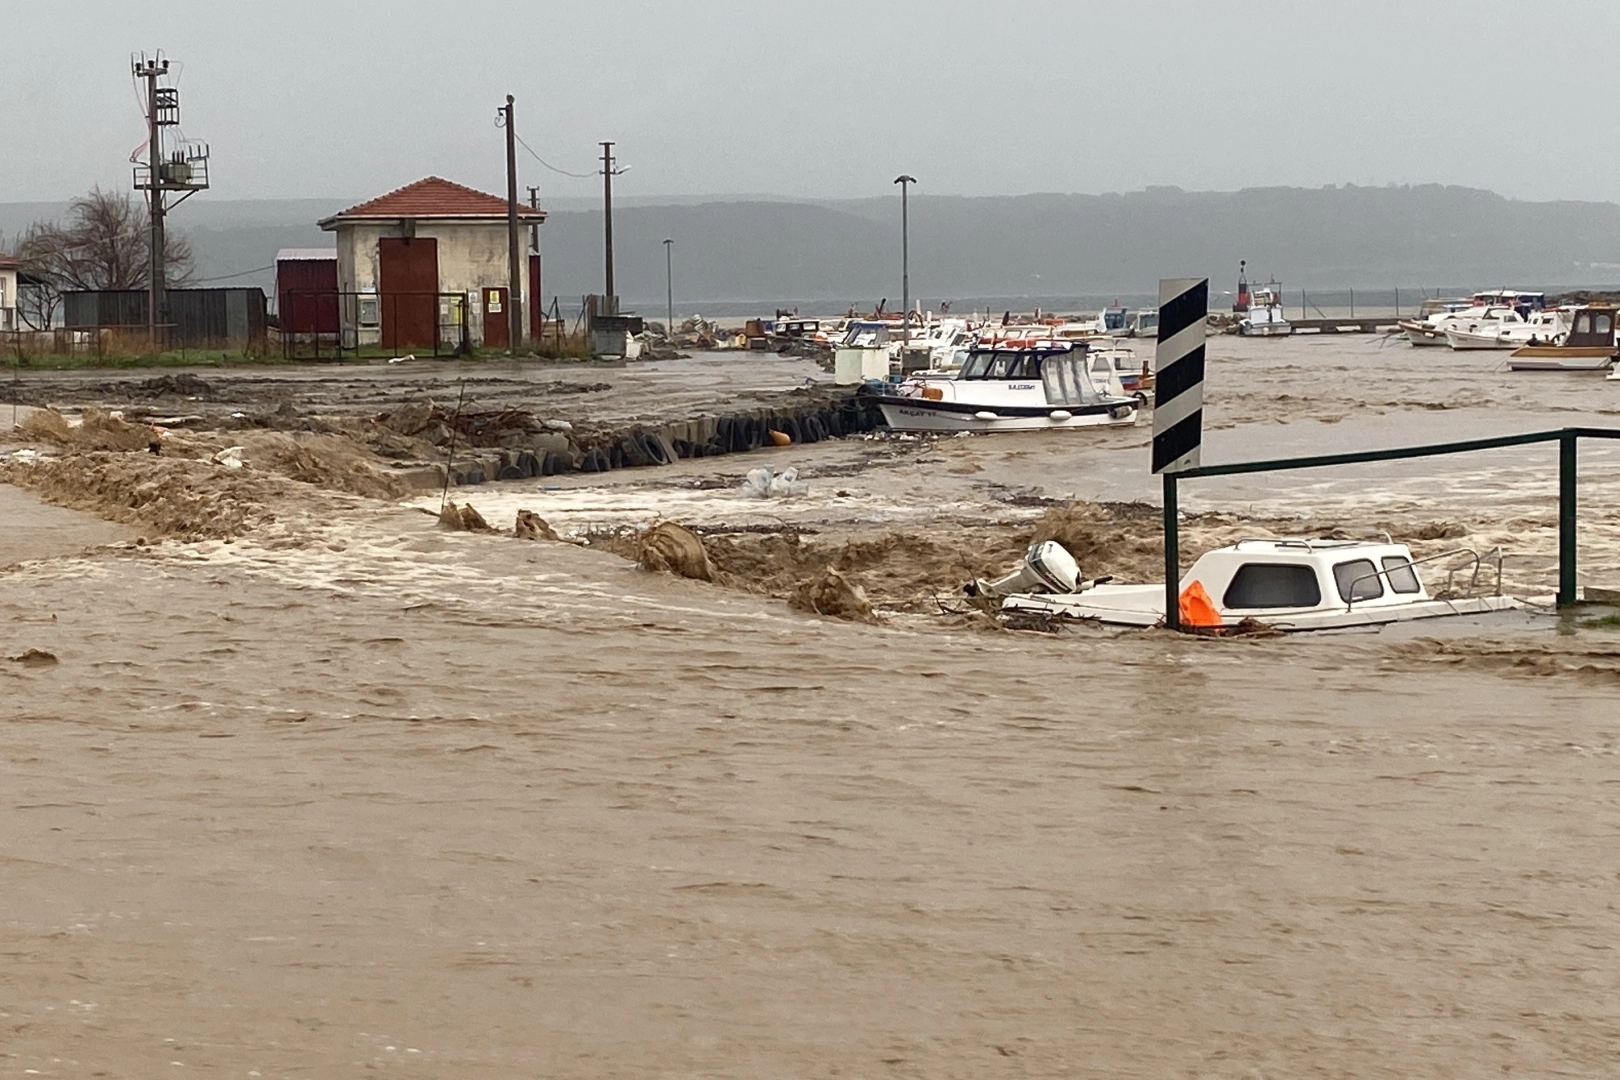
(669,284)
(905,181)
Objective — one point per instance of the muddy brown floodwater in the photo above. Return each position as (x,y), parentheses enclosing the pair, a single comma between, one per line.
(332,790)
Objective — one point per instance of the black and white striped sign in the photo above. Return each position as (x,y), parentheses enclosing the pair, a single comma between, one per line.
(1178,393)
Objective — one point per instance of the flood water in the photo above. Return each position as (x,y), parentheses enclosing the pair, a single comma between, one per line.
(351,793)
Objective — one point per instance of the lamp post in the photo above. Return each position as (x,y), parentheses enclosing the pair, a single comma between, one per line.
(905,181)
(669,284)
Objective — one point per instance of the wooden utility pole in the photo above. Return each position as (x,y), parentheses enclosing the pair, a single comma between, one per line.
(514,243)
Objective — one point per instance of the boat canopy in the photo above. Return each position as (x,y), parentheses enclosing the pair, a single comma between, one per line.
(1593,328)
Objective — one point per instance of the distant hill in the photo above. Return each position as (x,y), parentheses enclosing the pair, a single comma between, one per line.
(756,251)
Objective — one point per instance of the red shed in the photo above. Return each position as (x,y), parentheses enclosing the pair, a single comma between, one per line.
(307,291)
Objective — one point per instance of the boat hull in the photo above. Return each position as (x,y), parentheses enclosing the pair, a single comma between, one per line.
(1558,360)
(921,414)
(1462,340)
(1422,334)
(1081,606)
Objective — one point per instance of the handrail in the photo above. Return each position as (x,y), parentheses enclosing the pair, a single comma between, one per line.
(1288,541)
(1412,563)
(1399,453)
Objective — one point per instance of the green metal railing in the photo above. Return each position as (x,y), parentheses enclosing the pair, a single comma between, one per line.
(1566,438)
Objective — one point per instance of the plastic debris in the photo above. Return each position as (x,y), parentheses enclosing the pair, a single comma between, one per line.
(762,483)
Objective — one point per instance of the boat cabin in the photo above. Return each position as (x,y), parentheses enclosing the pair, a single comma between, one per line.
(1522,302)
(1593,327)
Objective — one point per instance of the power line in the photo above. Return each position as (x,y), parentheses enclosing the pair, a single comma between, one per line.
(549,165)
(227,277)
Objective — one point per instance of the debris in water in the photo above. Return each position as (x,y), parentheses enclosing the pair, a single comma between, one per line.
(672,549)
(762,484)
(463,518)
(35,658)
(833,594)
(531,526)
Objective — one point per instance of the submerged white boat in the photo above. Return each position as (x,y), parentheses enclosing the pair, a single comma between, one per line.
(1038,386)
(1287,585)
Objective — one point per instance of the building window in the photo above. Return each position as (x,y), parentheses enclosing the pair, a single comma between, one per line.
(368,311)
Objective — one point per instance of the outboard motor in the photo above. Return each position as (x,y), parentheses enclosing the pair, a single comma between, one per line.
(1048,567)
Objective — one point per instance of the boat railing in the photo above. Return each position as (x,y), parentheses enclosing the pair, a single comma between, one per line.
(1306,544)
(1472,557)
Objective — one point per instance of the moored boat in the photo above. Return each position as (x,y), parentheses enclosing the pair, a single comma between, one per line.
(1588,345)
(1039,386)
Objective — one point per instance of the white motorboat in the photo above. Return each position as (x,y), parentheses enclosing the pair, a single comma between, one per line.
(1285,585)
(1039,386)
(1436,316)
(1264,317)
(1143,324)
(1503,328)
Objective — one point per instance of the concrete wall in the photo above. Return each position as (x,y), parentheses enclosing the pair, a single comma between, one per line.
(472,257)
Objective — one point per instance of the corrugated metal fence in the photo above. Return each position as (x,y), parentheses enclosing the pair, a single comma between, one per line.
(195,319)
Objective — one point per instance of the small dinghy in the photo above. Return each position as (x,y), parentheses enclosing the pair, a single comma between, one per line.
(1033,386)
(1282,584)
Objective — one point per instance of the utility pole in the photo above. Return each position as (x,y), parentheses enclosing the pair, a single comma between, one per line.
(514,245)
(608,172)
(536,271)
(905,183)
(186,171)
(669,283)
(151,70)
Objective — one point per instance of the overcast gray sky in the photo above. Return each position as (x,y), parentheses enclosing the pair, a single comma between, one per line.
(339,98)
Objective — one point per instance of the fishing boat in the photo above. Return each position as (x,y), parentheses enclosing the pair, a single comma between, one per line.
(1435,316)
(1499,328)
(1257,311)
(1288,585)
(1143,324)
(1588,345)
(1042,385)
(1265,316)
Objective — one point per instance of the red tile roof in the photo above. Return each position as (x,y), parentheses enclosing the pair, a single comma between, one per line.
(8,263)
(433,197)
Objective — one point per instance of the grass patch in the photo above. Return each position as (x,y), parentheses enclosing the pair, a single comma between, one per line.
(1602,622)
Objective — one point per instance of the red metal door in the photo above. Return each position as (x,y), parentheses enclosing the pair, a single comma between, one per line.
(497,320)
(408,279)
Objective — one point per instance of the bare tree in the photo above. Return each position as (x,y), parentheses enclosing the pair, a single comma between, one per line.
(103,243)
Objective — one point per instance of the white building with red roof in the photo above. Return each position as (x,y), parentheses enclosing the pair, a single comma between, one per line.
(418,264)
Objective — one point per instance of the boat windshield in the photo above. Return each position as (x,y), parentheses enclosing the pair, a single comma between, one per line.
(1000,364)
(1067,382)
